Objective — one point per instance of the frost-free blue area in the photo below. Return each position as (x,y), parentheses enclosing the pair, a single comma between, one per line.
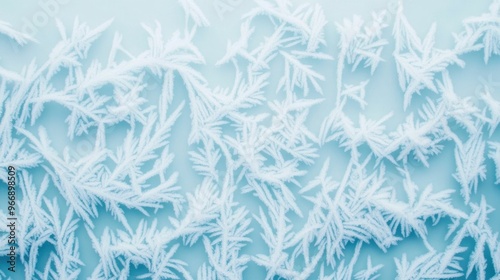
(264,139)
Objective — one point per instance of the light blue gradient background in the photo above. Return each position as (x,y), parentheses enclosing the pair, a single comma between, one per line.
(383,96)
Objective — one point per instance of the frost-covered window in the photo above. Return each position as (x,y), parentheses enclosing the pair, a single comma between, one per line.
(265,139)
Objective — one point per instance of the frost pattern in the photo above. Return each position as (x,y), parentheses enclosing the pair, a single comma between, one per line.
(252,138)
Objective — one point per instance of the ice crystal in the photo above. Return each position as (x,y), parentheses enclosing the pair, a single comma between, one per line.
(253,138)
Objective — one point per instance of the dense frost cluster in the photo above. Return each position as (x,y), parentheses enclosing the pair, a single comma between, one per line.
(252,139)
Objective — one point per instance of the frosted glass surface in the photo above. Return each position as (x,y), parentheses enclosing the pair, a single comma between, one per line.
(234,180)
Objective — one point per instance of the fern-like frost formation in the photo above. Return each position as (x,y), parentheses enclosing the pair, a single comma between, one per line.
(285,190)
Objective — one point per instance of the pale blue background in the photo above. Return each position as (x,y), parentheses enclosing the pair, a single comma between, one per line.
(383,95)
